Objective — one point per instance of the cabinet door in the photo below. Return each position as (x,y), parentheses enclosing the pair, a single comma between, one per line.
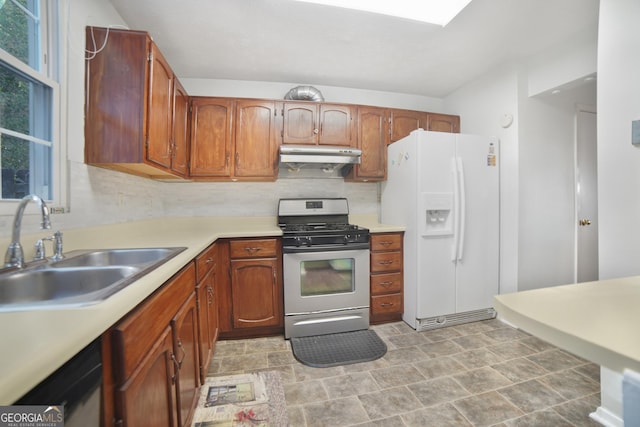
(300,123)
(148,397)
(160,110)
(114,105)
(185,349)
(257,300)
(443,123)
(208,322)
(373,138)
(211,136)
(336,125)
(255,139)
(405,121)
(179,153)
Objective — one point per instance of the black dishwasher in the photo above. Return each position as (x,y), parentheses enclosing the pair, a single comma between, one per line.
(77,385)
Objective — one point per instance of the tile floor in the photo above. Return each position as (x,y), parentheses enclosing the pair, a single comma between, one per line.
(477,374)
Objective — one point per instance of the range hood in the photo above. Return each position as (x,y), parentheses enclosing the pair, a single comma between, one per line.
(317,161)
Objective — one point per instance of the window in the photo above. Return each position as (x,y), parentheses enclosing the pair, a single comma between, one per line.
(29,94)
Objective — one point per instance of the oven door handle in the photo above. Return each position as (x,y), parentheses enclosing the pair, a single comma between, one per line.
(324,248)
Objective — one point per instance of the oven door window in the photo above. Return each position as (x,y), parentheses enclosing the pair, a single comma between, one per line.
(326,277)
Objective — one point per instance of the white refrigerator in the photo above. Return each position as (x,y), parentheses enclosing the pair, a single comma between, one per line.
(444,189)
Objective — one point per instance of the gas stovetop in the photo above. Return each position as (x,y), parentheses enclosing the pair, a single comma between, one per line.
(319,228)
(319,223)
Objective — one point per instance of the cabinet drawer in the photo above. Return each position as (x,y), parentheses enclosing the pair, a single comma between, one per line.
(206,261)
(254,248)
(385,304)
(386,261)
(386,283)
(386,242)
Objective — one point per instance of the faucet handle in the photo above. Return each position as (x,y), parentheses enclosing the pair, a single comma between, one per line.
(40,252)
(57,246)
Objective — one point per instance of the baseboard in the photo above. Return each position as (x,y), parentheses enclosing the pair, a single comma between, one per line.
(455,319)
(606,418)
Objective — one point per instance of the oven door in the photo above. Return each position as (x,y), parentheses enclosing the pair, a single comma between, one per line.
(316,282)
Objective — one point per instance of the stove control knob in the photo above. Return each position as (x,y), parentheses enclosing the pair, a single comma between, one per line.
(298,241)
(308,240)
(346,238)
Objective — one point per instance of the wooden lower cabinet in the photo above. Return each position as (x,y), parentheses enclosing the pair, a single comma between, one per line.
(155,366)
(387,277)
(185,348)
(254,290)
(251,297)
(207,271)
(147,397)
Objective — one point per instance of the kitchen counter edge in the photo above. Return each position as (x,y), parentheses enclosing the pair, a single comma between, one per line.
(594,320)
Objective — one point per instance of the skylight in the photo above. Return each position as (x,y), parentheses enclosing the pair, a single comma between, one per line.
(438,12)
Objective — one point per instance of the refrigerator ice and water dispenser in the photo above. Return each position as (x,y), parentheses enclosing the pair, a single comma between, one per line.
(437,211)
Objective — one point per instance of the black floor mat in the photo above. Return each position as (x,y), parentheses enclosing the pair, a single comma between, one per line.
(323,351)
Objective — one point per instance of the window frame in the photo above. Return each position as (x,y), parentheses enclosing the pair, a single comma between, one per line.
(51,65)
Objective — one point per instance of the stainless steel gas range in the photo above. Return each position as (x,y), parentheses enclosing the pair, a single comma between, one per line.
(326,268)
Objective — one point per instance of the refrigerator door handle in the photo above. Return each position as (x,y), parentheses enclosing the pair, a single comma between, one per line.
(456,210)
(463,208)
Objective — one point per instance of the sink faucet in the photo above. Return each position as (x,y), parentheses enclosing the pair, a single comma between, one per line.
(15,256)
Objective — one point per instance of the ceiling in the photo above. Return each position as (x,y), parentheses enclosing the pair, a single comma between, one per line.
(301,43)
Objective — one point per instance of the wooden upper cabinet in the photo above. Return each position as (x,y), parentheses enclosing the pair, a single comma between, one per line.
(129,104)
(300,124)
(336,125)
(373,138)
(160,113)
(211,137)
(233,139)
(443,123)
(255,145)
(318,123)
(179,151)
(403,122)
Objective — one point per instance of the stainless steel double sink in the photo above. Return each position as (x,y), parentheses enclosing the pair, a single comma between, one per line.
(83,277)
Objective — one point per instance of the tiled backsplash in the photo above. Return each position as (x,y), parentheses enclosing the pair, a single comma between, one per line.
(100,196)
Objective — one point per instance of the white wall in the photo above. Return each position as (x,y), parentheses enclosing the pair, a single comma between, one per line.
(271,90)
(547,186)
(618,160)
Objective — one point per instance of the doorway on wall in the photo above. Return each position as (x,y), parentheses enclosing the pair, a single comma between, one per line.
(586,191)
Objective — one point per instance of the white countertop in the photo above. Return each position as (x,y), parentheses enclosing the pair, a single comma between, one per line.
(371,222)
(599,321)
(35,343)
